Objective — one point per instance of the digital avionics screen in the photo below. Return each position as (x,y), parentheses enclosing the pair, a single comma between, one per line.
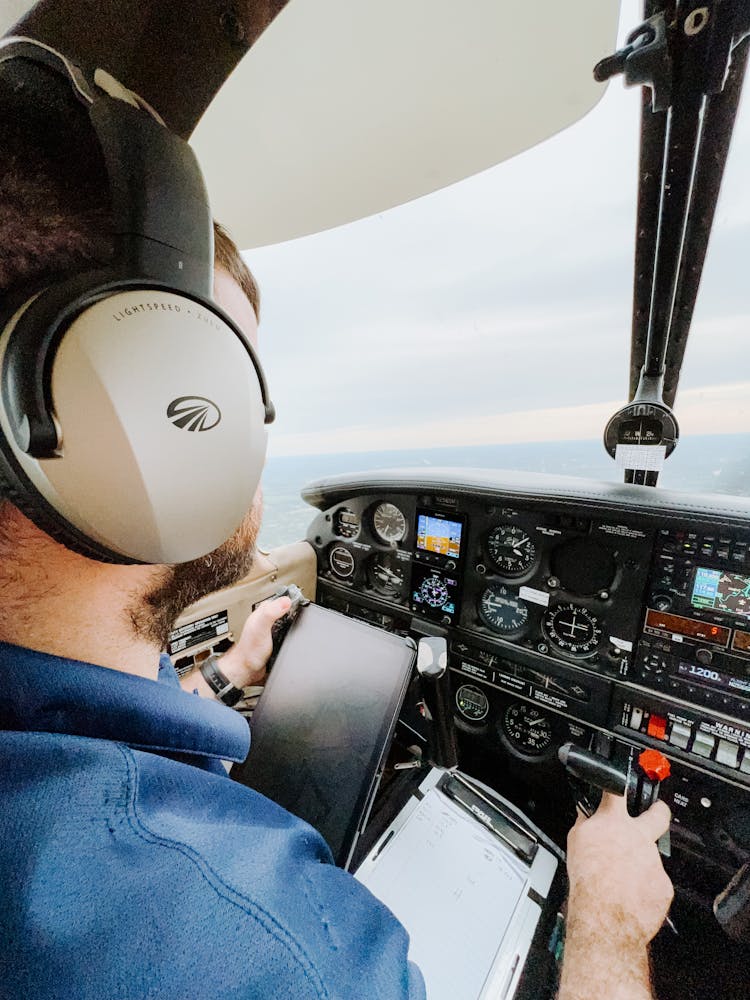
(722,591)
(437,534)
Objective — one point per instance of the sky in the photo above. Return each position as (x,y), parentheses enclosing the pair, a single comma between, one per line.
(498,309)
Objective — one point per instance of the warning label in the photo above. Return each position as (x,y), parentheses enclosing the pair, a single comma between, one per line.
(621,529)
(195,633)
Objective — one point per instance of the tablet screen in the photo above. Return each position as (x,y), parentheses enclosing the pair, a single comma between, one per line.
(323,725)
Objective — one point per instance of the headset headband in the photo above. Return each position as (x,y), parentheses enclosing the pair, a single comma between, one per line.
(161,220)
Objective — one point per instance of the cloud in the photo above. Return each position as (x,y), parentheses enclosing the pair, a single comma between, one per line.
(712,409)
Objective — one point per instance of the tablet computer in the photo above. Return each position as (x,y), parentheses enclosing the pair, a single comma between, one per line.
(324,723)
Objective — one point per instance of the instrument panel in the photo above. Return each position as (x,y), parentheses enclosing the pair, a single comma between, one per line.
(559,584)
(617,615)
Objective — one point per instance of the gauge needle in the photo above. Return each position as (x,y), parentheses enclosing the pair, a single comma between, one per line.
(574,624)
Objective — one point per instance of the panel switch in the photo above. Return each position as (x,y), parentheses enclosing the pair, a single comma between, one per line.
(680,735)
(727,753)
(636,718)
(703,744)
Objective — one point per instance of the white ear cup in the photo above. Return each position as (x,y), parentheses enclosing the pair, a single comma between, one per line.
(162,427)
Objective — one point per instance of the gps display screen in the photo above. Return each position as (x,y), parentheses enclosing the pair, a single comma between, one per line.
(438,534)
(721,591)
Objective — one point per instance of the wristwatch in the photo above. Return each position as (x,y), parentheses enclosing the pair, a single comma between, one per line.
(222,687)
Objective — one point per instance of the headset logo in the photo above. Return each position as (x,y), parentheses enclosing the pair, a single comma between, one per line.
(193,413)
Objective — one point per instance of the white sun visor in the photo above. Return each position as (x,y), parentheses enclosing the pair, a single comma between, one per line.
(345,108)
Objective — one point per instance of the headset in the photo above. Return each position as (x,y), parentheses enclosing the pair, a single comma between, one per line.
(133,410)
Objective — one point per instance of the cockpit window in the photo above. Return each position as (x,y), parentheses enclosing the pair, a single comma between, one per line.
(488,324)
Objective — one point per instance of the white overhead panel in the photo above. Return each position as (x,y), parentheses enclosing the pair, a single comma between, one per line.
(344,108)
(11,11)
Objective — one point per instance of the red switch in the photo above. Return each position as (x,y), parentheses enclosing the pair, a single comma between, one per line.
(657,727)
(655,765)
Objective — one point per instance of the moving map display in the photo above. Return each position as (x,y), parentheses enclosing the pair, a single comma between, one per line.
(721,591)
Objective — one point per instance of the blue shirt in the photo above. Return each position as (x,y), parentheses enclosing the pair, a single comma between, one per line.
(131,866)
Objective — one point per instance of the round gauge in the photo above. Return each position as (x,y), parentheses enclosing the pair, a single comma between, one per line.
(573,629)
(511,549)
(341,562)
(502,610)
(527,729)
(346,523)
(386,575)
(472,703)
(389,523)
(433,592)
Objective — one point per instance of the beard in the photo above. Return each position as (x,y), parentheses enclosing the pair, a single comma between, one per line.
(154,613)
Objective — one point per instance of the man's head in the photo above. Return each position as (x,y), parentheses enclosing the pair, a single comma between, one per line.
(54,222)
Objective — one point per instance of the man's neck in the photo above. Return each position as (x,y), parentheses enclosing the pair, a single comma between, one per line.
(58,602)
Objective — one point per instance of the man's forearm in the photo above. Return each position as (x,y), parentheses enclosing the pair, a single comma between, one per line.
(603,964)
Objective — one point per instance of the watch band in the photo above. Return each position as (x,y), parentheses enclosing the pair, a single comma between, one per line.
(224,690)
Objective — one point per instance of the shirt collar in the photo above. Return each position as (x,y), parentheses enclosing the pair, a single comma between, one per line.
(50,694)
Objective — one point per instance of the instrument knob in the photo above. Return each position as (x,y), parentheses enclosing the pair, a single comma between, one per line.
(704,656)
(661,602)
(655,765)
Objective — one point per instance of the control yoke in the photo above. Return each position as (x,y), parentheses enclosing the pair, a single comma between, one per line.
(639,783)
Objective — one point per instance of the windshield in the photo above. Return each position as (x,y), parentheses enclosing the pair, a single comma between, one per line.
(488,325)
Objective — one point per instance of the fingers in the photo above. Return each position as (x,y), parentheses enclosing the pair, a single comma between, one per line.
(267,613)
(256,634)
(613,805)
(654,822)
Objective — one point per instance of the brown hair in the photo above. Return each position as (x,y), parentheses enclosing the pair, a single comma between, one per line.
(54,208)
(228,257)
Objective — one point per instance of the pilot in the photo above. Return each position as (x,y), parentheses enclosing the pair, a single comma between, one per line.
(131,866)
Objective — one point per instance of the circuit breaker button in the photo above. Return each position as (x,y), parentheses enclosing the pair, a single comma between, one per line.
(657,727)
(680,735)
(727,753)
(703,744)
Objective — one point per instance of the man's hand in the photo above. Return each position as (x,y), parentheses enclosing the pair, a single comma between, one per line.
(619,897)
(615,870)
(245,663)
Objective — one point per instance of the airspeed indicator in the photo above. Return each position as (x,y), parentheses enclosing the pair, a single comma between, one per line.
(389,523)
